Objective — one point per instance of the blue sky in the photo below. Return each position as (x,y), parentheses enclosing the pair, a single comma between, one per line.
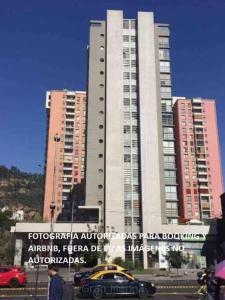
(43,47)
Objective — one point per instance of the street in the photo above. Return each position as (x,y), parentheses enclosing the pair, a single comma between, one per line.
(164,291)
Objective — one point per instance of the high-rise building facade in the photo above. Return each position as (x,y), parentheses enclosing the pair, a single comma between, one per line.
(65,148)
(130,169)
(198,159)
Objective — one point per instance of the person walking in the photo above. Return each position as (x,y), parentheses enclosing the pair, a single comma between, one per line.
(56,284)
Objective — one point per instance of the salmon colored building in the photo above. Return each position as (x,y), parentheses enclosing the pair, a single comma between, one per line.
(200,180)
(65,148)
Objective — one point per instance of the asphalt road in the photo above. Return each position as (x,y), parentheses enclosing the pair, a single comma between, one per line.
(166,290)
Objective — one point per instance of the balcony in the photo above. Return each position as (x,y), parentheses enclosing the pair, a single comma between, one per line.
(203,180)
(68,147)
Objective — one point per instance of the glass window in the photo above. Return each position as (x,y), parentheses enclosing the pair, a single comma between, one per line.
(133,24)
(164,54)
(126,88)
(164,66)
(133,76)
(126,101)
(165,79)
(126,53)
(163,42)
(166,92)
(126,75)
(126,24)
(126,38)
(133,88)
(126,63)
(133,63)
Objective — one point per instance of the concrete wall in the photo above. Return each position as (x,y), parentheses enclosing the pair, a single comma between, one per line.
(95,115)
(149,123)
(114,185)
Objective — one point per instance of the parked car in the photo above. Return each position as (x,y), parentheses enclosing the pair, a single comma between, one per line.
(80,275)
(115,283)
(12,276)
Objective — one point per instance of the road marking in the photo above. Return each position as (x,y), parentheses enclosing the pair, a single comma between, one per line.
(23,289)
(20,296)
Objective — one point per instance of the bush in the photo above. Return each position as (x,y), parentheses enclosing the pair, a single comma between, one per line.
(138,265)
(117,260)
(127,264)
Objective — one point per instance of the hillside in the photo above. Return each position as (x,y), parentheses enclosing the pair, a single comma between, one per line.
(21,190)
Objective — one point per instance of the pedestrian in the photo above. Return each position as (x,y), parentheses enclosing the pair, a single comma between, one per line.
(203,279)
(55,291)
(218,288)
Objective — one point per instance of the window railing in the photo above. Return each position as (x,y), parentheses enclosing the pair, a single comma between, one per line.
(168,150)
(170,180)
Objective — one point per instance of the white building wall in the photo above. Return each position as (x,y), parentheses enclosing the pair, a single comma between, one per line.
(149,131)
(114,185)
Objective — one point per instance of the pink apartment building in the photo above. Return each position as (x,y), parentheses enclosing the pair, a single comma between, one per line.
(199,171)
(65,148)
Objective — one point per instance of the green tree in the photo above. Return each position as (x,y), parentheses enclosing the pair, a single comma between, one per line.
(175,259)
(6,242)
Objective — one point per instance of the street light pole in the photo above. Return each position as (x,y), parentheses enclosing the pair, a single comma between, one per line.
(52,205)
(71,229)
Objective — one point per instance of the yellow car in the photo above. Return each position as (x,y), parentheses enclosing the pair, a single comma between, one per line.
(102,267)
(113,283)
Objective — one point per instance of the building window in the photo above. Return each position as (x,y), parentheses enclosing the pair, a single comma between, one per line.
(166,92)
(126,129)
(127,158)
(133,63)
(126,53)
(164,66)
(126,24)
(163,42)
(126,88)
(164,54)
(126,38)
(126,63)
(165,79)
(134,76)
(126,101)
(126,75)
(133,24)
(168,147)
(133,88)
